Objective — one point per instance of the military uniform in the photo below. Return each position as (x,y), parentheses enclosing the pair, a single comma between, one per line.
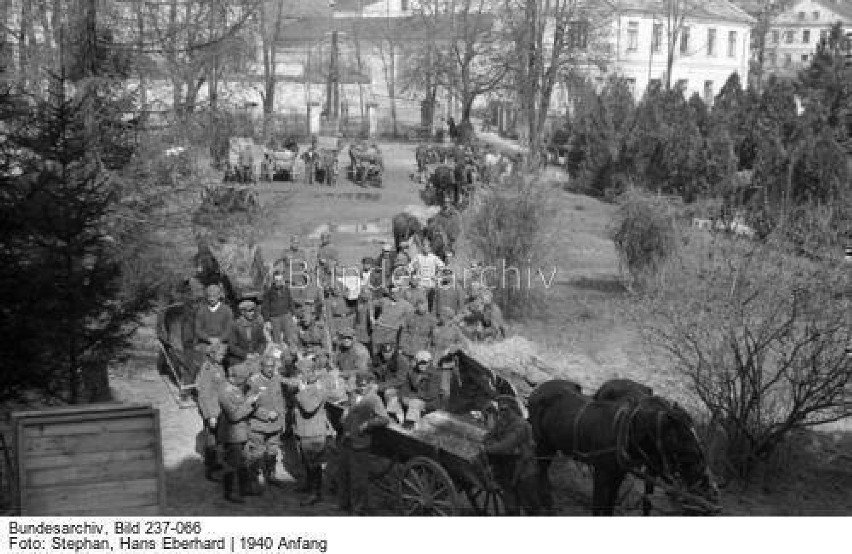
(415,334)
(445,336)
(353,476)
(338,314)
(312,430)
(278,310)
(391,317)
(512,452)
(305,297)
(211,377)
(314,337)
(353,360)
(246,337)
(232,433)
(266,423)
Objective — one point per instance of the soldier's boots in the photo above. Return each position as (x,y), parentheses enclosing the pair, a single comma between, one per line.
(269,464)
(315,485)
(248,485)
(231,488)
(211,465)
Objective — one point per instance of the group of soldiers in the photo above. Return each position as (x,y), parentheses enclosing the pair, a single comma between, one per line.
(379,344)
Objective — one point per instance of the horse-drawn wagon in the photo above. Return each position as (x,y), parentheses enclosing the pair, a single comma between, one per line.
(436,468)
(366,163)
(237,269)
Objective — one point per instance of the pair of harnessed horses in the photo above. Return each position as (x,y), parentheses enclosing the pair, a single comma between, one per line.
(623,429)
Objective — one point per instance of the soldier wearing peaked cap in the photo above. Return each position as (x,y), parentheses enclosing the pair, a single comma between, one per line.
(233,430)
(352,356)
(247,337)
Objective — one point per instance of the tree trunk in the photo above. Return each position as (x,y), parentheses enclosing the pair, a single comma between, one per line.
(143,75)
(23,49)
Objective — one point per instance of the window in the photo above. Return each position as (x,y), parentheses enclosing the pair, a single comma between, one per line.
(789,37)
(403,5)
(775,36)
(815,16)
(657,40)
(801,16)
(823,34)
(804,58)
(578,35)
(732,44)
(631,86)
(708,92)
(632,36)
(772,59)
(711,42)
(684,40)
(788,60)
(806,36)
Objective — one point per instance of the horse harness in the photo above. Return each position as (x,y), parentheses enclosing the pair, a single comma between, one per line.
(623,426)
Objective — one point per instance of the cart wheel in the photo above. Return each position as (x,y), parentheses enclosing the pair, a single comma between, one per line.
(426,489)
(486,502)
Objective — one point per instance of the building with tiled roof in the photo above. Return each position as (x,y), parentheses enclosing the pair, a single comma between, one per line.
(713,43)
(795,32)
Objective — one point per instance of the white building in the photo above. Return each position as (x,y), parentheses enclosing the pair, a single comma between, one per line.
(794,34)
(712,43)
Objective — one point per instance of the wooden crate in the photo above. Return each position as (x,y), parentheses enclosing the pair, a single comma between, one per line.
(99,459)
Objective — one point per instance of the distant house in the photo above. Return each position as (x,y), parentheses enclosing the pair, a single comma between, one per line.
(794,33)
(712,43)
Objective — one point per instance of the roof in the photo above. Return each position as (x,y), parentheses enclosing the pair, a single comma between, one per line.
(842,9)
(411,28)
(703,9)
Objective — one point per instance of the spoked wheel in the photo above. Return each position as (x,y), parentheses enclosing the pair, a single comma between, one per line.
(426,489)
(486,502)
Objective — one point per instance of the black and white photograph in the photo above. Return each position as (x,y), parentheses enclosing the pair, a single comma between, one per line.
(474,259)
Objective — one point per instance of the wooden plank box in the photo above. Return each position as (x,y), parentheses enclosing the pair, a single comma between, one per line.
(97,459)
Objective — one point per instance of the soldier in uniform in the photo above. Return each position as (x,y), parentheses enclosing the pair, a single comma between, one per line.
(233,430)
(294,259)
(364,311)
(389,378)
(416,332)
(365,414)
(446,334)
(303,291)
(210,379)
(511,450)
(327,258)
(352,356)
(213,320)
(448,292)
(421,389)
(248,336)
(385,263)
(337,311)
(313,431)
(311,157)
(313,334)
(392,313)
(277,310)
(267,421)
(415,292)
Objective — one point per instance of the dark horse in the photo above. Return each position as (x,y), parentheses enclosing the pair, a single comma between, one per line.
(649,435)
(405,226)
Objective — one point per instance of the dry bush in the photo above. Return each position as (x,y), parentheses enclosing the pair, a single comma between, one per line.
(645,236)
(760,337)
(508,228)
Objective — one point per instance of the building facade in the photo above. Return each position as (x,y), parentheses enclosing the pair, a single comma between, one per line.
(793,34)
(712,42)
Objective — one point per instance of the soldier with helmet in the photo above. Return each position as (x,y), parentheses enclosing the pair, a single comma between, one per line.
(313,334)
(352,356)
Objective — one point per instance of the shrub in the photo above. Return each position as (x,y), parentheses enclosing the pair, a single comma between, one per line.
(509,227)
(644,235)
(760,337)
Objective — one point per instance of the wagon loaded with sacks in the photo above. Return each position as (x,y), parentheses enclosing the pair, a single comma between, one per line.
(366,163)
(438,467)
(237,268)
